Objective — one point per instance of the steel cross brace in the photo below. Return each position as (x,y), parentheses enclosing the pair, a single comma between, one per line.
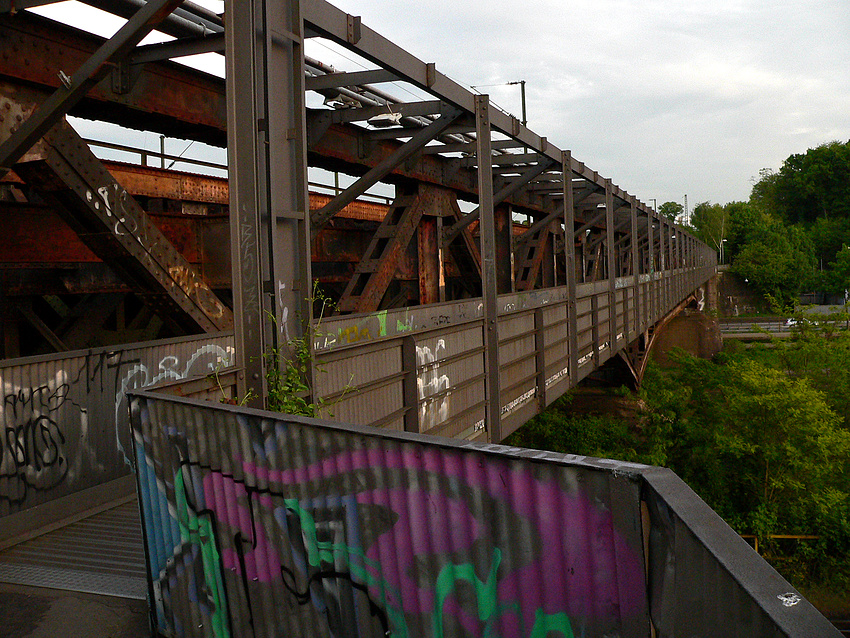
(508,190)
(92,71)
(373,274)
(320,217)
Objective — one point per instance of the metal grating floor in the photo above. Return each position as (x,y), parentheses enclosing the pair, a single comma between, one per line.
(102,554)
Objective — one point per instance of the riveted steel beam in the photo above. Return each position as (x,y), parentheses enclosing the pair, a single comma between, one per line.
(75,86)
(114,227)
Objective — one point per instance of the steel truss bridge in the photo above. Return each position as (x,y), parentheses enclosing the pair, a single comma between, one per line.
(452,318)
(449,317)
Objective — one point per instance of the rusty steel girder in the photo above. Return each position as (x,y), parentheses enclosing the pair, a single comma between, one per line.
(189,104)
(162,97)
(110,222)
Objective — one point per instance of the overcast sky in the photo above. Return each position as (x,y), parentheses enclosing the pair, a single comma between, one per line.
(666,98)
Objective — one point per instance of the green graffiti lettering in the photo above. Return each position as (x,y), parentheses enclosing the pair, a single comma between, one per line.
(485,591)
(319,552)
(194,529)
(382,323)
(544,623)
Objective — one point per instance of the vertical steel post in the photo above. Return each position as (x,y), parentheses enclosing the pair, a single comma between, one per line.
(488,268)
(410,387)
(269,211)
(504,237)
(668,263)
(540,358)
(633,213)
(650,247)
(570,258)
(611,254)
(680,263)
(662,266)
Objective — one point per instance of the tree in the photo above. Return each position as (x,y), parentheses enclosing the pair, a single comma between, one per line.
(811,185)
(763,448)
(671,210)
(763,194)
(742,220)
(777,260)
(828,235)
(709,222)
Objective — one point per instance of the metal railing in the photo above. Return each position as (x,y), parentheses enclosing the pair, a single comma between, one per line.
(64,417)
(421,369)
(146,155)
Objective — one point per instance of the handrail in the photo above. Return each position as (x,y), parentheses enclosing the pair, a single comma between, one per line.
(144,154)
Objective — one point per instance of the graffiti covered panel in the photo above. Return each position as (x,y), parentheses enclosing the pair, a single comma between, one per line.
(267,526)
(64,416)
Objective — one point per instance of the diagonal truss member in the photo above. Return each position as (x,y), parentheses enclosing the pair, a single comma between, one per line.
(113,225)
(320,217)
(92,71)
(375,271)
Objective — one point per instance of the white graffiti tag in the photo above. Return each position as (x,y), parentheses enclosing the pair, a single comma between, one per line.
(431,383)
(139,376)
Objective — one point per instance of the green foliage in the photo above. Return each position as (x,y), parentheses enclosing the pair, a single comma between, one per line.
(766,447)
(836,280)
(671,210)
(287,377)
(828,235)
(709,221)
(762,434)
(776,260)
(820,353)
(809,197)
(815,184)
(763,195)
(742,220)
(588,435)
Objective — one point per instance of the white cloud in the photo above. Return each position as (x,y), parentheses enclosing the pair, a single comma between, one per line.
(666,97)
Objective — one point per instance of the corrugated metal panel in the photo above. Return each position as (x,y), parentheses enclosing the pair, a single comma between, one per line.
(65,416)
(264,527)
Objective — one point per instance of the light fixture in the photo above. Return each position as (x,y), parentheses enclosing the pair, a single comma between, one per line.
(385,120)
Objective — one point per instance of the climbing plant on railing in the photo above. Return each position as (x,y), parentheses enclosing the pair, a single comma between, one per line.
(288,377)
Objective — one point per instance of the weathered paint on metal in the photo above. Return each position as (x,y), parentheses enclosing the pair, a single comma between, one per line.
(64,417)
(363,352)
(262,524)
(266,526)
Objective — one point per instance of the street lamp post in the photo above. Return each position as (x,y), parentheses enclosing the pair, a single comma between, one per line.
(522,93)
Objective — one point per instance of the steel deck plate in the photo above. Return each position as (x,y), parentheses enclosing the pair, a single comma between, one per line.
(102,554)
